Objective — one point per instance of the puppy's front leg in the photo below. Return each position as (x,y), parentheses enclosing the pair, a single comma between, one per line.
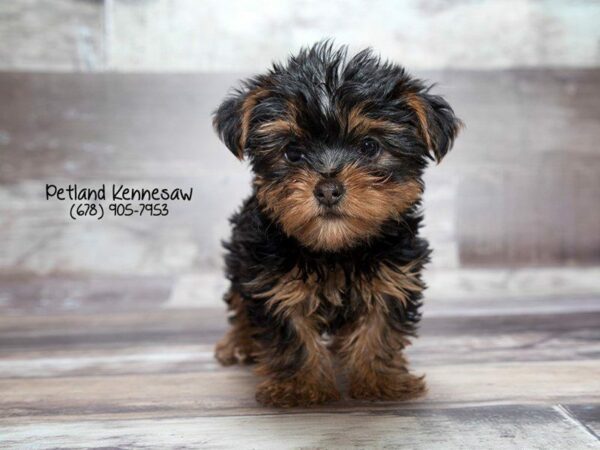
(297,364)
(371,350)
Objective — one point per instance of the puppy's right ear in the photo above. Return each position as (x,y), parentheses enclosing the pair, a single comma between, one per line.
(233,119)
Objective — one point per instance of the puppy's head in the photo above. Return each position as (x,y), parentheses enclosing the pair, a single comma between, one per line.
(338,145)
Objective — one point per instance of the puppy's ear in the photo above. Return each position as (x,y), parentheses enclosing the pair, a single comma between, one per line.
(232,120)
(436,121)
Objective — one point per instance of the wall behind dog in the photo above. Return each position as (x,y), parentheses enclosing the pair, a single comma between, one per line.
(519,190)
(241,36)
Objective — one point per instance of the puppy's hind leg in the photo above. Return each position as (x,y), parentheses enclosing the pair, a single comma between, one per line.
(238,344)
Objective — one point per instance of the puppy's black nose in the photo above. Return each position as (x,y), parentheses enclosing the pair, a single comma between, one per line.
(329,192)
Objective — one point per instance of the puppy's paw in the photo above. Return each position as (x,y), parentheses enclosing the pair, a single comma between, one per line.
(401,386)
(295,392)
(230,351)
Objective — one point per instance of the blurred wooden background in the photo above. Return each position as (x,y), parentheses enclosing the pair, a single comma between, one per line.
(520,189)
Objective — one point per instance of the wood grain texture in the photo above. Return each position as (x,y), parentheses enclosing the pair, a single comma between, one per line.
(588,415)
(217,391)
(490,427)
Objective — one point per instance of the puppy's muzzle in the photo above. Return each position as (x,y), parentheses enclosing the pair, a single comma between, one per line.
(329,192)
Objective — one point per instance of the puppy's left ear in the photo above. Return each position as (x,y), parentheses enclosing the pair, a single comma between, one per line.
(436,121)
(233,119)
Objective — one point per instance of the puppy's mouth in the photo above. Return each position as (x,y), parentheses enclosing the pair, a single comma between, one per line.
(331,214)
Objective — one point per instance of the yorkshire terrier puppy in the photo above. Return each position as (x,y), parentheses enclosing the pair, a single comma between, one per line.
(325,258)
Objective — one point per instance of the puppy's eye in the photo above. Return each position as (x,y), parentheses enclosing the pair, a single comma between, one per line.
(293,156)
(370,147)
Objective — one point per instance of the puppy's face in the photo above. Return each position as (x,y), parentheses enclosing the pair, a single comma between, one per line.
(338,146)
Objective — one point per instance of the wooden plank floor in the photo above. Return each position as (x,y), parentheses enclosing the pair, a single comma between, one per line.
(133,371)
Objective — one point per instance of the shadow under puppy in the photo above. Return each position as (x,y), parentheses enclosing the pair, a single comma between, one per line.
(325,257)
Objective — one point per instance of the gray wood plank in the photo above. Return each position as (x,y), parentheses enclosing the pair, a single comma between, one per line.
(497,427)
(232,389)
(31,295)
(588,416)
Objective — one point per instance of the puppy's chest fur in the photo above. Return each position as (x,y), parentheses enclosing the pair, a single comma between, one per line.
(280,279)
(340,291)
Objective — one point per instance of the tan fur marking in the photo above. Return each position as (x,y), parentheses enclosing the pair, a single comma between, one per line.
(279,126)
(247,106)
(291,295)
(396,282)
(420,110)
(283,125)
(361,124)
(304,389)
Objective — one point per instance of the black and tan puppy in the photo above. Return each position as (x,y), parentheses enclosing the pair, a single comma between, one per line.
(325,258)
